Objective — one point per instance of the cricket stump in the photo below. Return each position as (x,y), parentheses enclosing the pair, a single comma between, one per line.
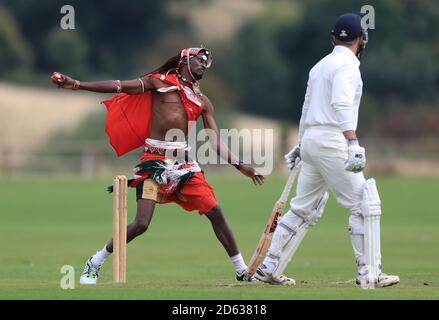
(120,186)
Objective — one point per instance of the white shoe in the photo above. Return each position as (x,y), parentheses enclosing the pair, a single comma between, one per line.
(90,274)
(387,280)
(264,275)
(384,280)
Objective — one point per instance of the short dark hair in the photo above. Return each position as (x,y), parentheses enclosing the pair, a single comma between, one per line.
(340,41)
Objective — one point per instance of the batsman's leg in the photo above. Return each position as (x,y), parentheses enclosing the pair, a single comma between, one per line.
(291,246)
(371,210)
(356,233)
(361,198)
(310,188)
(347,188)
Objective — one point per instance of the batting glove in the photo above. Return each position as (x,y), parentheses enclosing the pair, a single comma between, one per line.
(290,157)
(356,157)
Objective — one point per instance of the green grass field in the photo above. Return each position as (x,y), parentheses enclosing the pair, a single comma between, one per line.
(46,223)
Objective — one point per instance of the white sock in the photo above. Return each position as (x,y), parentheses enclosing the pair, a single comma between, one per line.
(238,262)
(100,256)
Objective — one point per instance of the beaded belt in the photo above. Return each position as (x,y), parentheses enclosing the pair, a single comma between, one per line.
(154,150)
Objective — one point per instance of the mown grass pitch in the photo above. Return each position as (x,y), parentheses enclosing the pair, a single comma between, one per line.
(46,223)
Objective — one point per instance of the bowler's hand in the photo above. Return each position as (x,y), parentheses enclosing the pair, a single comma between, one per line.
(356,158)
(63,81)
(250,172)
(290,157)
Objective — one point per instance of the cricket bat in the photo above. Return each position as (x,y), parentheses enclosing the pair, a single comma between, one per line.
(267,235)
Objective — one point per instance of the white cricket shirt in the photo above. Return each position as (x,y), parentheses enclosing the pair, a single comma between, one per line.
(334,92)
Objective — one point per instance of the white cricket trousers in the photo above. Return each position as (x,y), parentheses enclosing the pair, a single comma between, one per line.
(324,150)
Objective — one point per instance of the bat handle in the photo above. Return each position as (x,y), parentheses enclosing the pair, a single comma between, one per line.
(290,181)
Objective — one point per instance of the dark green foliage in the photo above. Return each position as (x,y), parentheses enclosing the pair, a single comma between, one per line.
(109,36)
(266,64)
(272,54)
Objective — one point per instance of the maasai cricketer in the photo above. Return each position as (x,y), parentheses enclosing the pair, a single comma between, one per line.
(141,114)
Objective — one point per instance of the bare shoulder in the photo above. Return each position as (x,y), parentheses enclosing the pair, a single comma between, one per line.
(153,83)
(207,104)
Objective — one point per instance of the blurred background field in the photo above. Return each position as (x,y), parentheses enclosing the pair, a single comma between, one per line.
(262,51)
(55,160)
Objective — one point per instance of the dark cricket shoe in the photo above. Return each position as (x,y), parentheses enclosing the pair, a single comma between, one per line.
(241,276)
(264,275)
(90,274)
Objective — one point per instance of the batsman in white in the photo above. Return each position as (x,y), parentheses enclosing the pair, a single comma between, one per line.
(332,159)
